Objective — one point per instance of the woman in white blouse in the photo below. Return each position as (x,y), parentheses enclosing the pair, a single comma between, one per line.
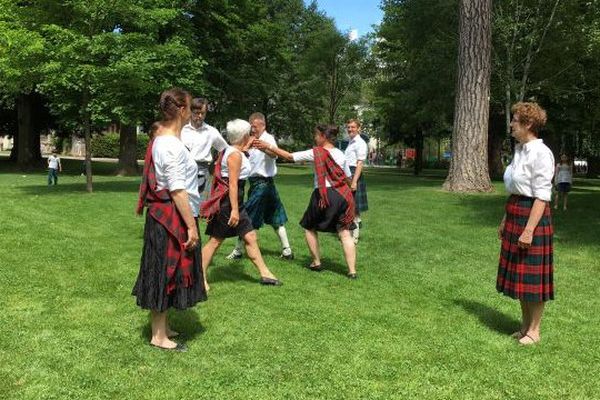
(331,206)
(526,267)
(225,210)
(563,179)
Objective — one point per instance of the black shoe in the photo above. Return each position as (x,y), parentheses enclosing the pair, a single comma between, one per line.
(352,276)
(316,268)
(180,348)
(270,282)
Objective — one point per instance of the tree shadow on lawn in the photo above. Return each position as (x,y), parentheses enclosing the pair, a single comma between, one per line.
(490,317)
(118,186)
(186,322)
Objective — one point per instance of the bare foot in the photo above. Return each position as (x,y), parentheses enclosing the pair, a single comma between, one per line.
(165,343)
(529,339)
(517,335)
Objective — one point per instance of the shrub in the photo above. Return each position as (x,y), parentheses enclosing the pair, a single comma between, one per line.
(105,145)
(142,145)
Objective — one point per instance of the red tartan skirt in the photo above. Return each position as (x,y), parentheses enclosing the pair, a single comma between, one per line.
(526,274)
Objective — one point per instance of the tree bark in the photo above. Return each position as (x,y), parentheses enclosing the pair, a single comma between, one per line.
(26,149)
(87,131)
(127,151)
(496,136)
(469,166)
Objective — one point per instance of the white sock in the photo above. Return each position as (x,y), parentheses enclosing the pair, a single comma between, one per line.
(356,231)
(282,233)
(239,246)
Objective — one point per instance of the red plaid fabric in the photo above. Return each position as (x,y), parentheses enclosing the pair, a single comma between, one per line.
(218,190)
(161,207)
(526,274)
(327,168)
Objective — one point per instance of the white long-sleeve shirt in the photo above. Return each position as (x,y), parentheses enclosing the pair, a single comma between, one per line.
(531,170)
(200,141)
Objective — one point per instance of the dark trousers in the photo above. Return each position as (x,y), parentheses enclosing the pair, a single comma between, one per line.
(52,176)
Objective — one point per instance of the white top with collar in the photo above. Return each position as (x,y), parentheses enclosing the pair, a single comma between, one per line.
(531,170)
(263,164)
(357,150)
(336,154)
(200,141)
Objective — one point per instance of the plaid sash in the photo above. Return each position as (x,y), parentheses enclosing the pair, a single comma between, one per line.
(327,168)
(161,207)
(218,191)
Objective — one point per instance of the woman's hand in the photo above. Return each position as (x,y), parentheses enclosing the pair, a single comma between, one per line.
(193,239)
(234,218)
(501,228)
(260,144)
(526,238)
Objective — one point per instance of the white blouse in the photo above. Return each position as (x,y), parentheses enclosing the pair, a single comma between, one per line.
(336,154)
(175,168)
(244,170)
(531,170)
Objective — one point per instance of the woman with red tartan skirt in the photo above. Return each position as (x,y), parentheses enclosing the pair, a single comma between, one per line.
(170,272)
(224,208)
(331,206)
(526,266)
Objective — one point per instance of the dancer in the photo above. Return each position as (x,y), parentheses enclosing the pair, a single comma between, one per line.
(224,210)
(170,274)
(356,154)
(200,138)
(331,206)
(526,267)
(264,205)
(563,179)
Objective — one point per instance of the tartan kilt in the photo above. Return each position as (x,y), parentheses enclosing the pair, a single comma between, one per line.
(360,196)
(526,274)
(264,205)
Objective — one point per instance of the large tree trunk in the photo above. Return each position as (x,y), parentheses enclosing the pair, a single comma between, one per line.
(127,151)
(468,167)
(87,131)
(26,149)
(418,151)
(593,167)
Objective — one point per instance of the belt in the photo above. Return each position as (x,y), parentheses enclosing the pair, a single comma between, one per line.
(204,164)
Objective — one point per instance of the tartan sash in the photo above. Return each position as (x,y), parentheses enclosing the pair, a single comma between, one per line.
(327,168)
(218,191)
(161,207)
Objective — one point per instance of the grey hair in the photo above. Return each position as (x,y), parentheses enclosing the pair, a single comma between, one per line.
(237,130)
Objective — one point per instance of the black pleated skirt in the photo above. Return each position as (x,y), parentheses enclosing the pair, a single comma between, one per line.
(217,227)
(325,219)
(150,288)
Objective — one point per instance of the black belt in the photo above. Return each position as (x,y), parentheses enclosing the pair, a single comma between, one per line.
(204,164)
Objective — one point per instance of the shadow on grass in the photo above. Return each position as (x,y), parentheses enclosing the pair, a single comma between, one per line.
(232,271)
(117,186)
(186,322)
(488,316)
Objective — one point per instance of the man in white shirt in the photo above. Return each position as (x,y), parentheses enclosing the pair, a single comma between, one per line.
(53,168)
(200,138)
(264,205)
(356,154)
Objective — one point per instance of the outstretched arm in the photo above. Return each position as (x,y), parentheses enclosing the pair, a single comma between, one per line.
(272,150)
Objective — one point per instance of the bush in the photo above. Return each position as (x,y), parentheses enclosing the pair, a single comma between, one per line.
(107,146)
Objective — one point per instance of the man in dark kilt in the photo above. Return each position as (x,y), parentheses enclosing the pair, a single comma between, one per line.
(264,205)
(356,154)
(526,266)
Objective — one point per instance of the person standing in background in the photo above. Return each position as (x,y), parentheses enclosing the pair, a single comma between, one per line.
(54,167)
(356,154)
(563,179)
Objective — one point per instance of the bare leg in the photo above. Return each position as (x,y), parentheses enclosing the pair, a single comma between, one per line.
(159,331)
(349,249)
(556,200)
(208,251)
(535,310)
(312,240)
(565,195)
(525,321)
(255,256)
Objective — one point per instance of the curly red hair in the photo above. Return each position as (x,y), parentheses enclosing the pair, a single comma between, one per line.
(530,113)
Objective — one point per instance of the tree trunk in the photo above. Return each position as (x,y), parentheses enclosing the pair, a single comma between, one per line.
(469,167)
(27,142)
(87,130)
(593,167)
(495,141)
(127,151)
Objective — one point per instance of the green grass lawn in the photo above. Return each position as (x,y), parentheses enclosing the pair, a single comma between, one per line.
(422,321)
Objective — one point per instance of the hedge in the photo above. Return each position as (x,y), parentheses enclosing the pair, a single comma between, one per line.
(107,146)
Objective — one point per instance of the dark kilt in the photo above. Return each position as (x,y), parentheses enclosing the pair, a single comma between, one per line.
(150,288)
(217,227)
(264,205)
(325,219)
(526,274)
(360,196)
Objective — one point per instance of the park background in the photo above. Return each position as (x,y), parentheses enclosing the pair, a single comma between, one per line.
(423,320)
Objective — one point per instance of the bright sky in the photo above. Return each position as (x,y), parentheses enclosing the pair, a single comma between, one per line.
(351,15)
